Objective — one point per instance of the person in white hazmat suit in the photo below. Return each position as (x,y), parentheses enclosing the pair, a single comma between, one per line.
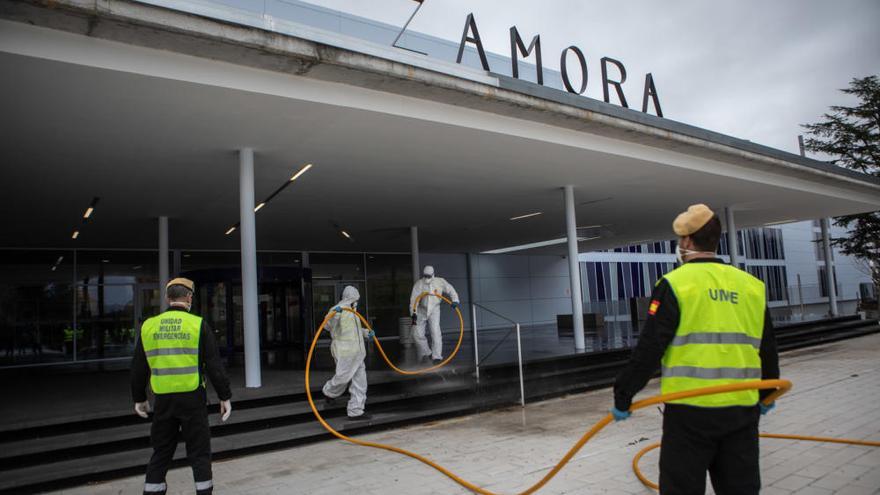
(428,312)
(348,351)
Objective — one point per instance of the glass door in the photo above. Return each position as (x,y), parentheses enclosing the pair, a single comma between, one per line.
(326,293)
(211,302)
(280,322)
(146,303)
(106,315)
(280,317)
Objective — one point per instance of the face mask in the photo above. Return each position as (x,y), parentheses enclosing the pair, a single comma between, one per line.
(681,253)
(186,306)
(428,278)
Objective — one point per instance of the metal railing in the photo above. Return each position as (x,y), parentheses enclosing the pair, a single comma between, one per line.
(478,361)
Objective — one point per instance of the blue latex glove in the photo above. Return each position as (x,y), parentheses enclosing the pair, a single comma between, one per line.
(338,309)
(766,409)
(371,334)
(620,415)
(454,305)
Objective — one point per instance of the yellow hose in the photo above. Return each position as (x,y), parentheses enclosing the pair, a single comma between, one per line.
(780,386)
(650,484)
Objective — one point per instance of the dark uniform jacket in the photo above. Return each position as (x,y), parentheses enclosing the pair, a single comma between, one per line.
(209,364)
(657,334)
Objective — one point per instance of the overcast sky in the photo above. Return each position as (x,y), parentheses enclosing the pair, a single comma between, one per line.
(753,69)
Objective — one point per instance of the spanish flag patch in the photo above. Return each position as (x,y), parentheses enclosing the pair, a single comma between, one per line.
(652,309)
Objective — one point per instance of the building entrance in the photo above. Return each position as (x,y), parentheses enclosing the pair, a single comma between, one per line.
(282,312)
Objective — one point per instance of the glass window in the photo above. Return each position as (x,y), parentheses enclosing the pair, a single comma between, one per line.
(823,284)
(118,267)
(105,317)
(36,267)
(36,306)
(763,244)
(591,281)
(199,260)
(337,266)
(36,323)
(279,259)
(775,279)
(389,284)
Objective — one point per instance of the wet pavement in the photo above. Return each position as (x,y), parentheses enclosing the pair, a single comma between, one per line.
(836,391)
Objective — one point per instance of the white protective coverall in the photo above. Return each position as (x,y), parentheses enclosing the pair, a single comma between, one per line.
(428,312)
(348,351)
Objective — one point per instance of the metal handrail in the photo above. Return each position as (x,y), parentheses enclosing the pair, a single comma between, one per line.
(493,312)
(474,306)
(489,354)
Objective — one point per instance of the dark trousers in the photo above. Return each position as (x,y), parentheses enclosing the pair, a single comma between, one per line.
(722,441)
(180,416)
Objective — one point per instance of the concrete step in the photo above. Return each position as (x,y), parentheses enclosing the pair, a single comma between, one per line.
(133,461)
(37,450)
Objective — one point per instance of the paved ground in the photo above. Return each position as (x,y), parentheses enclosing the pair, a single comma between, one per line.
(837,393)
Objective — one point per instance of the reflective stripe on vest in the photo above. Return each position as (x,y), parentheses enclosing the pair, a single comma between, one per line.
(718,338)
(171,344)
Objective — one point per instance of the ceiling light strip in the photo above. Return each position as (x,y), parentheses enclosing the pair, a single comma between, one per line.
(527,215)
(535,245)
(301,171)
(790,220)
(263,204)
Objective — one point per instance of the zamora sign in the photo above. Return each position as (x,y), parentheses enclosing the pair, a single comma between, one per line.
(518,48)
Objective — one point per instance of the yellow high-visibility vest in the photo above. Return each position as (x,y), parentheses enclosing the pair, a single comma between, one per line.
(718,339)
(171,343)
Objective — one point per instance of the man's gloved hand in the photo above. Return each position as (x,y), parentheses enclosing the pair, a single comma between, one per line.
(765,409)
(620,415)
(225,409)
(371,334)
(415,319)
(455,304)
(142,408)
(338,309)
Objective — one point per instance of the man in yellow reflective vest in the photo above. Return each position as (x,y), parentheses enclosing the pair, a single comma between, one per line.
(708,324)
(175,351)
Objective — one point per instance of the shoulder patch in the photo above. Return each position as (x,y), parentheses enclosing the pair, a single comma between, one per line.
(652,309)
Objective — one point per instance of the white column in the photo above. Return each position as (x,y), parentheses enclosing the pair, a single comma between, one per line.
(732,243)
(249,300)
(163,261)
(414,248)
(829,267)
(574,272)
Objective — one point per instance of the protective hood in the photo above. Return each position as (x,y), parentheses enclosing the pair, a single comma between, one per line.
(349,295)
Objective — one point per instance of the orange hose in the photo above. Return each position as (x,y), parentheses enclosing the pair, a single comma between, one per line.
(650,484)
(780,386)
